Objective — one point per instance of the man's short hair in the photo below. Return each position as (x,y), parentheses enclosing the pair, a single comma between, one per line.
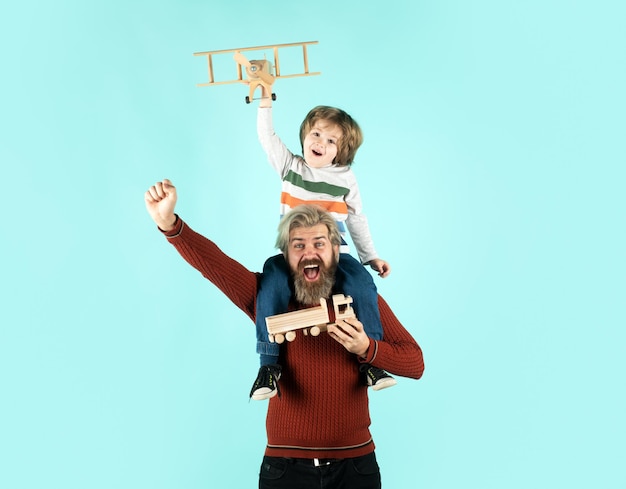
(306,216)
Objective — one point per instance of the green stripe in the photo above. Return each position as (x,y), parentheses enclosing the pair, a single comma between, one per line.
(315,187)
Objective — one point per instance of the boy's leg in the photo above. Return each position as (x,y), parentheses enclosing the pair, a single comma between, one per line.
(354,280)
(272,298)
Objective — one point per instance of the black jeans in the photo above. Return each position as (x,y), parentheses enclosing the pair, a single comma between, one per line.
(349,473)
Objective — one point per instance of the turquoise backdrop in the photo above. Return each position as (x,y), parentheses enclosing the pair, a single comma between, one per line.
(493,176)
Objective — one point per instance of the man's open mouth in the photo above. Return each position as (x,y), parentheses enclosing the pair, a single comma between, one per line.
(311,272)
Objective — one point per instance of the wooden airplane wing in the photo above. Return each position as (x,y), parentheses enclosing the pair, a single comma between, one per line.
(275,48)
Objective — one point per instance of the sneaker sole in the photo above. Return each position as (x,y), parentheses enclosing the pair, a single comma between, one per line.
(383,384)
(265,395)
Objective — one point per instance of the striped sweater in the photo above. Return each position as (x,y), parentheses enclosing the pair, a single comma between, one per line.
(323,411)
(334,187)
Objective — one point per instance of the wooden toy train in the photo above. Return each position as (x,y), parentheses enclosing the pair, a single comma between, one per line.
(313,320)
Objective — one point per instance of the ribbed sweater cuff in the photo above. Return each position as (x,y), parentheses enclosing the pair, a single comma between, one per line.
(178,228)
(371,352)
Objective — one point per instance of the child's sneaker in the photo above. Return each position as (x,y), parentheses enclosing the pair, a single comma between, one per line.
(266,384)
(377,378)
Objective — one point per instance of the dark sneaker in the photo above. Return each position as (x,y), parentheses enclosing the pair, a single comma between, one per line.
(266,384)
(377,378)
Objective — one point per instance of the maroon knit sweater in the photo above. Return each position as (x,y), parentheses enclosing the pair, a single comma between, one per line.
(323,410)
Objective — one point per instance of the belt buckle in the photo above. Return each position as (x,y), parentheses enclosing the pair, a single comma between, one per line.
(318,463)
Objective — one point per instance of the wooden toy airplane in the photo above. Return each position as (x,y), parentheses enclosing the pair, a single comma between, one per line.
(283,326)
(259,72)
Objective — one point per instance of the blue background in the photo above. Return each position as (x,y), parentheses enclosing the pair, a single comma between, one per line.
(492,173)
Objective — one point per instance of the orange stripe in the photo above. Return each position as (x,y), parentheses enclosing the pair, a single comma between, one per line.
(330,206)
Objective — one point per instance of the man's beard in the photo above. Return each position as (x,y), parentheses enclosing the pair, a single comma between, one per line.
(309,293)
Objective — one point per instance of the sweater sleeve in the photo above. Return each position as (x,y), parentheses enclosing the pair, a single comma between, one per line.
(236,282)
(397,352)
(357,224)
(277,153)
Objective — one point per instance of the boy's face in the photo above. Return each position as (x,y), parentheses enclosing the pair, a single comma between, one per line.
(320,144)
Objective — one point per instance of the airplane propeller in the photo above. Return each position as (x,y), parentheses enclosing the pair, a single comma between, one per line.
(253,68)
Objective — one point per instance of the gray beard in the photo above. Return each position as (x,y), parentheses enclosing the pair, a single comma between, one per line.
(309,293)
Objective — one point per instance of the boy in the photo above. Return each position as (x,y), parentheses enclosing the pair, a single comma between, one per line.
(322,176)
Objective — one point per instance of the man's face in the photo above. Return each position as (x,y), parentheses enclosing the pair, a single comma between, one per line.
(312,260)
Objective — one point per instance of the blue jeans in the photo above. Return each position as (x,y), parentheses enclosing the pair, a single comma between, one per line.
(276,289)
(349,473)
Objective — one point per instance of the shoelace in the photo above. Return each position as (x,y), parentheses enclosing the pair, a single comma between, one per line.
(269,377)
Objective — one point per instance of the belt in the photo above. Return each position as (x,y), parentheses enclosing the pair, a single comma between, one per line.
(319,462)
(316,462)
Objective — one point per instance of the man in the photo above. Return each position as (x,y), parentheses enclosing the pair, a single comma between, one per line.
(318,431)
